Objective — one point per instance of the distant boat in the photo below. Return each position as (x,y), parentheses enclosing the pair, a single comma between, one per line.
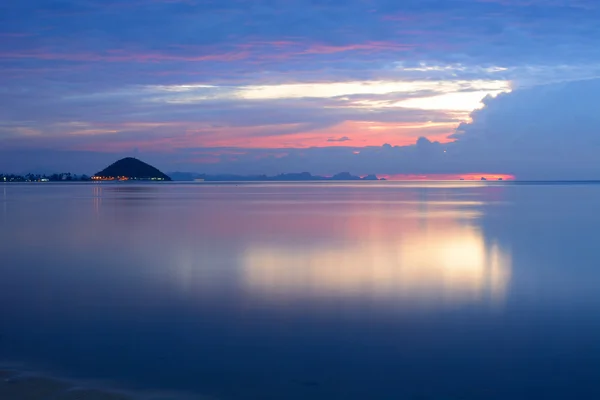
(483,178)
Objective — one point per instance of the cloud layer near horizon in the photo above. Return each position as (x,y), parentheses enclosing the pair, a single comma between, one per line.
(279,86)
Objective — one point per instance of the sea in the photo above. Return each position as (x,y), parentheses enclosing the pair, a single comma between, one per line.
(326,290)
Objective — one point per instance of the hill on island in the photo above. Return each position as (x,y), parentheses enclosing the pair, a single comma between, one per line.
(130,169)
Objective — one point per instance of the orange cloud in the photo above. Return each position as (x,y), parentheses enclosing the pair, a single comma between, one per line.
(362,133)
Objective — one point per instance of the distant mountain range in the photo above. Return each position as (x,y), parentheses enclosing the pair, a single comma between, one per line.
(302,176)
(133,169)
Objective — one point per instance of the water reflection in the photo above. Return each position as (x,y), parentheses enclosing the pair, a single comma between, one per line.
(4,203)
(97,199)
(418,245)
(449,262)
(252,289)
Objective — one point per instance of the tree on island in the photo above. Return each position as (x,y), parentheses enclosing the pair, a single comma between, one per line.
(69,177)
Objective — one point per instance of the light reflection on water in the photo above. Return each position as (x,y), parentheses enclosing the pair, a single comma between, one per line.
(376,290)
(448,262)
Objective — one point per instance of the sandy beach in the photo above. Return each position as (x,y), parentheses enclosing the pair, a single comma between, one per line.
(18,385)
(15,386)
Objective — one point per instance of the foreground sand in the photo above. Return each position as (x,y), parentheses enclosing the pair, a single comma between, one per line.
(18,387)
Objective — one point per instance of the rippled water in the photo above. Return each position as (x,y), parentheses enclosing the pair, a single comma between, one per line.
(324,291)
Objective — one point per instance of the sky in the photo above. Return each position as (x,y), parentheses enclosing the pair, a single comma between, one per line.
(387,87)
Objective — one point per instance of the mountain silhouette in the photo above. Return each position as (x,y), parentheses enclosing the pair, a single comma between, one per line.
(130,169)
(287,177)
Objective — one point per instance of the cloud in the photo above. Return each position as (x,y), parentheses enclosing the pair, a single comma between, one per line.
(336,89)
(120,55)
(173,116)
(340,139)
(543,132)
(261,75)
(548,131)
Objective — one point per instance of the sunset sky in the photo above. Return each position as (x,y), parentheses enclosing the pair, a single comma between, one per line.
(391,87)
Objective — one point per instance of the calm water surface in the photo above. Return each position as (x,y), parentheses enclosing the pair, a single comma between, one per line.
(293,291)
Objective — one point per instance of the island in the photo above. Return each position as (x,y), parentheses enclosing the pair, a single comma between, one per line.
(289,177)
(132,169)
(128,169)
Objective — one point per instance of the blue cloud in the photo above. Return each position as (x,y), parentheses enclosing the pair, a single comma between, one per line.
(340,139)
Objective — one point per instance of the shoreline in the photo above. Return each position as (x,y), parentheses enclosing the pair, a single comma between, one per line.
(26,385)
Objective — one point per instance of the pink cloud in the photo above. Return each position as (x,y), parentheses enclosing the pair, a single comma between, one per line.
(299,48)
(369,46)
(257,50)
(363,133)
(171,136)
(15,35)
(121,56)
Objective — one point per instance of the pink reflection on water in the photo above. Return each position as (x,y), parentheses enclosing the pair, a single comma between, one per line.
(315,241)
(390,249)
(408,243)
